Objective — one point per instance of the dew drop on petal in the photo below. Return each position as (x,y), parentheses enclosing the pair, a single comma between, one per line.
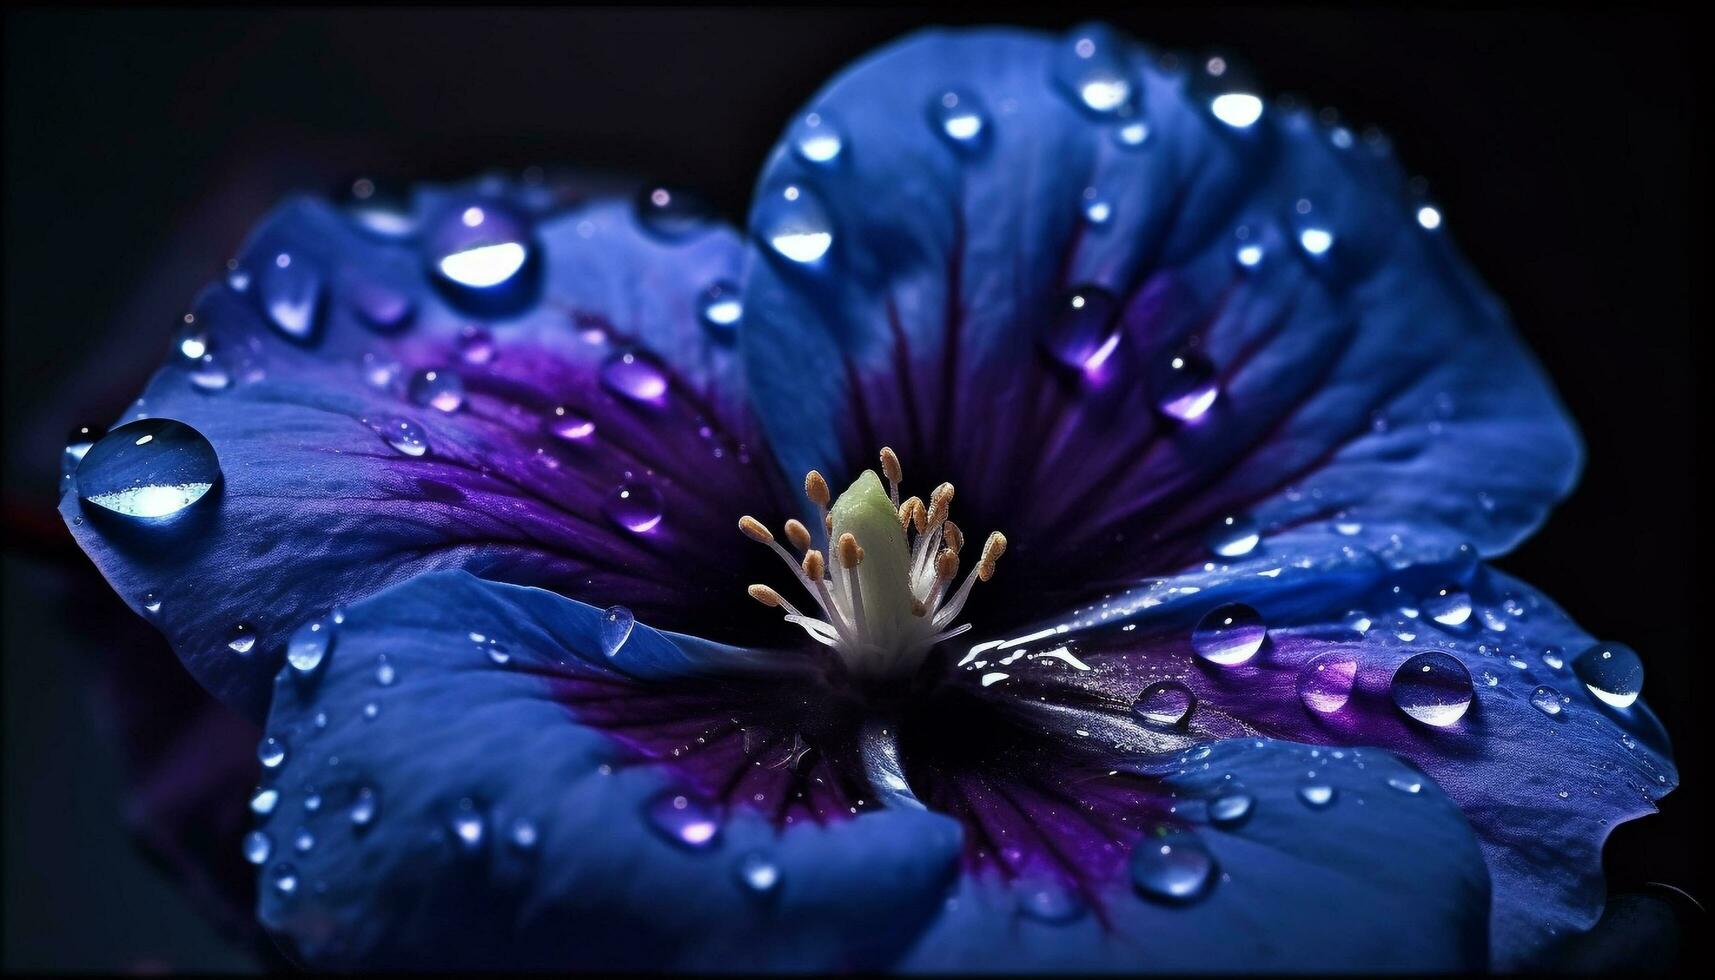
(309,645)
(1231,809)
(671,213)
(1229,635)
(1316,793)
(257,847)
(1186,386)
(758,875)
(285,878)
(263,801)
(1165,703)
(569,426)
(634,375)
(1325,684)
(720,307)
(616,626)
(479,248)
(1433,688)
(1050,902)
(1090,69)
(1083,334)
(150,470)
(1235,537)
(1613,672)
(1546,699)
(291,293)
(1172,866)
(468,826)
(1406,784)
(635,507)
(405,436)
(364,806)
(381,308)
(477,346)
(1449,606)
(438,388)
(683,819)
(242,639)
(794,224)
(960,119)
(816,139)
(271,751)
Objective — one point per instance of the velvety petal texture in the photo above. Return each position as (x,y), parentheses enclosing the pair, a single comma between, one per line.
(1118,299)
(1470,675)
(442,805)
(575,424)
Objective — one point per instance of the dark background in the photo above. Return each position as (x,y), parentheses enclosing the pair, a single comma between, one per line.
(1567,150)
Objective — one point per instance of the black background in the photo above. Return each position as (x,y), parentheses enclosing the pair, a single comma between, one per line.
(1567,151)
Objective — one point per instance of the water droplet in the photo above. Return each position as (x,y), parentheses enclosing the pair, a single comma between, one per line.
(1433,688)
(364,807)
(1097,209)
(1171,866)
(1317,794)
(1229,635)
(149,470)
(1613,672)
(1449,606)
(404,436)
(263,801)
(291,292)
(303,840)
(616,626)
(1554,658)
(257,847)
(1240,110)
(1231,810)
(1082,336)
(794,223)
(817,139)
(635,375)
(271,752)
(285,878)
(1235,537)
(720,307)
(1546,699)
(960,118)
(1186,386)
(635,507)
(758,875)
(1429,217)
(568,425)
(242,639)
(476,346)
(208,375)
(151,603)
(479,250)
(671,213)
(682,819)
(1165,703)
(385,675)
(1090,68)
(1049,901)
(1406,784)
(309,645)
(441,389)
(1131,134)
(381,307)
(469,828)
(1325,684)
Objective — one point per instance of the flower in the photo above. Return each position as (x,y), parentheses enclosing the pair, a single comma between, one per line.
(444,490)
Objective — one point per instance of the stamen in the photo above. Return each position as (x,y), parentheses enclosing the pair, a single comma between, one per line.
(885,602)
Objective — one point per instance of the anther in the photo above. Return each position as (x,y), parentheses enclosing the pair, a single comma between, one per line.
(940,502)
(946,564)
(993,548)
(814,565)
(950,535)
(890,469)
(816,489)
(766,596)
(911,514)
(754,529)
(848,552)
(798,534)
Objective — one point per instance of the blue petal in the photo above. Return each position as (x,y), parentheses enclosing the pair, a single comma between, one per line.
(1542,766)
(469,819)
(578,425)
(1370,878)
(1374,384)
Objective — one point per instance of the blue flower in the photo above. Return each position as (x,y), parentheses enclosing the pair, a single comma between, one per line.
(443,488)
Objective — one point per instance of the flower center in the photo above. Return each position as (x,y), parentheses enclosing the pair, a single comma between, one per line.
(882,583)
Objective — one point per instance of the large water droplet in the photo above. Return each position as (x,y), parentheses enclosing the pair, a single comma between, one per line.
(1165,703)
(1449,606)
(1231,809)
(1546,699)
(479,248)
(816,139)
(405,436)
(309,645)
(257,847)
(683,819)
(271,751)
(291,294)
(1433,688)
(263,801)
(1613,672)
(1090,68)
(150,469)
(1229,635)
(440,389)
(758,875)
(616,625)
(1325,684)
(1186,386)
(960,119)
(635,507)
(1235,536)
(1172,866)
(1083,334)
(635,375)
(793,222)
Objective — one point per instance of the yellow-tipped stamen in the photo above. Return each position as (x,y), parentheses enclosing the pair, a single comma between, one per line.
(798,534)
(885,603)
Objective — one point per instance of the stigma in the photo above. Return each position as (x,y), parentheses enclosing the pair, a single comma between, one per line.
(883,582)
